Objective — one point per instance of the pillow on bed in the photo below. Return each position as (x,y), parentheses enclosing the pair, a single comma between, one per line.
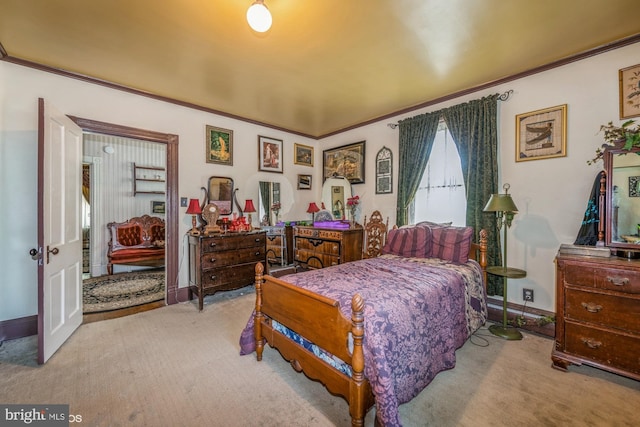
(451,243)
(409,242)
(434,224)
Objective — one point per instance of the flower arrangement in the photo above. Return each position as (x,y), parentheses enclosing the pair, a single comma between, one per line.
(627,132)
(352,203)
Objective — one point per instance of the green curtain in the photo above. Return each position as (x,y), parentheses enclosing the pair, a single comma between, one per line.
(416,138)
(473,126)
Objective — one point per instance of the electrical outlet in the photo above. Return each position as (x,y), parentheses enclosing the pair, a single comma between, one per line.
(183,202)
(527,294)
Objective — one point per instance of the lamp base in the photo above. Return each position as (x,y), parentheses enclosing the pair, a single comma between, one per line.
(507,333)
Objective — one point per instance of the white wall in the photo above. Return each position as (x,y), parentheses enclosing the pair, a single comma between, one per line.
(20,89)
(551,194)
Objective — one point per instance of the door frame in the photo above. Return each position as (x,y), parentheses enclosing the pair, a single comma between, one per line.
(171,212)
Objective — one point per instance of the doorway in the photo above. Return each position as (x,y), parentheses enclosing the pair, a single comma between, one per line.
(170,152)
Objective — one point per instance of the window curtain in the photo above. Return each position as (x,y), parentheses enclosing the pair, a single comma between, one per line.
(416,138)
(473,126)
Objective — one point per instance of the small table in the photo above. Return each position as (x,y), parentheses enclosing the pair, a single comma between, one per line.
(504,331)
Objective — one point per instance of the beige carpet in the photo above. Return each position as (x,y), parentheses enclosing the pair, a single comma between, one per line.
(175,366)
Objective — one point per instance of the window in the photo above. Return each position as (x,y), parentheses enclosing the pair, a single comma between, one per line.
(441,196)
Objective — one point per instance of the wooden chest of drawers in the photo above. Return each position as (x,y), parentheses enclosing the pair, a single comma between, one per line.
(279,244)
(598,314)
(224,261)
(323,247)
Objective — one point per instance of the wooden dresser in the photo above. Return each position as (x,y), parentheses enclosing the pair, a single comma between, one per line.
(323,247)
(598,314)
(279,244)
(224,261)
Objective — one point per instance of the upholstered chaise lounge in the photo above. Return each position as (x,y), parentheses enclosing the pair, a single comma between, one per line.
(138,241)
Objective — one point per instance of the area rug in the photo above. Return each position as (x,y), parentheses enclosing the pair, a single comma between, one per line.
(122,290)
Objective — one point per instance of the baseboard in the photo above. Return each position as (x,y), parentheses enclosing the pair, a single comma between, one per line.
(531,315)
(18,328)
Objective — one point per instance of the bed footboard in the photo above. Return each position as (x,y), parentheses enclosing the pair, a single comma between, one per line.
(319,320)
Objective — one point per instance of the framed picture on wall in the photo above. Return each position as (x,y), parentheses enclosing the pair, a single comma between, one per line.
(346,161)
(157,207)
(219,146)
(384,171)
(629,92)
(269,154)
(304,182)
(541,134)
(303,155)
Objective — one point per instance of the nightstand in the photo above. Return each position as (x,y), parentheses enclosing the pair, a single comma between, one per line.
(504,331)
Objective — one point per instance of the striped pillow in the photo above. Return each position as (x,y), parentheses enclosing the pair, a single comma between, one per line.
(451,243)
(409,242)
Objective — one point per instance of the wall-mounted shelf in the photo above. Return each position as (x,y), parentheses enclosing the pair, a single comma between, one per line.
(148,179)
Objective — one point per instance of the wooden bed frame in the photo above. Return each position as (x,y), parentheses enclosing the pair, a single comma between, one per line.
(319,320)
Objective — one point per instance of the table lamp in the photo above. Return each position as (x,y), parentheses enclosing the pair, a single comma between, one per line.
(193,210)
(312,209)
(505,209)
(249,209)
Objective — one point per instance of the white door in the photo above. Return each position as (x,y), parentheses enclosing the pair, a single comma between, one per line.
(59,229)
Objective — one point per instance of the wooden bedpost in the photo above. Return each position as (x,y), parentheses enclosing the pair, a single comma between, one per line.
(482,256)
(357,400)
(258,316)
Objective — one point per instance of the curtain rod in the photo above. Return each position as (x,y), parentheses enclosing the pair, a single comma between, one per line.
(502,97)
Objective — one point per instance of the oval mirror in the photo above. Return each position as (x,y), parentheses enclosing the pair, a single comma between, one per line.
(220,192)
(335,192)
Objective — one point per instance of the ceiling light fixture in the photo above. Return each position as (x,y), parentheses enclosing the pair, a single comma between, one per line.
(259,17)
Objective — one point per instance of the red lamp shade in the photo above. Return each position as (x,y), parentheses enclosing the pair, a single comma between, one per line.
(313,208)
(248,206)
(194,207)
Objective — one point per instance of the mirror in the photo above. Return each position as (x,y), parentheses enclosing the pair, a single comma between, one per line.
(622,198)
(335,192)
(269,195)
(220,192)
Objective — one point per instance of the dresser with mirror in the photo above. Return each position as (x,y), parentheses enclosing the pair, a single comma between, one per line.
(598,297)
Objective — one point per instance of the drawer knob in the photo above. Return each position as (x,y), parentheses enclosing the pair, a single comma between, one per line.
(212,260)
(591,307)
(257,239)
(591,343)
(618,281)
(212,244)
(213,277)
(258,253)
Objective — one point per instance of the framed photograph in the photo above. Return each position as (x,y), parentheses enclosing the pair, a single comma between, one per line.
(629,92)
(304,182)
(157,207)
(269,154)
(634,186)
(346,161)
(541,134)
(303,155)
(383,171)
(219,146)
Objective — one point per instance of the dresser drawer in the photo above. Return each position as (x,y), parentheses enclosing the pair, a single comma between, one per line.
(213,244)
(274,240)
(611,349)
(239,256)
(614,279)
(232,275)
(603,309)
(315,259)
(319,233)
(319,246)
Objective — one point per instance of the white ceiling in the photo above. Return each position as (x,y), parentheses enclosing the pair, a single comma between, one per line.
(324,66)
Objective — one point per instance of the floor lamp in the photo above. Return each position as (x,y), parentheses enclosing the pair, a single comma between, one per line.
(505,209)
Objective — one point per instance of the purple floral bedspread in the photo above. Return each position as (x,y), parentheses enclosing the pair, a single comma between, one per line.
(417,313)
